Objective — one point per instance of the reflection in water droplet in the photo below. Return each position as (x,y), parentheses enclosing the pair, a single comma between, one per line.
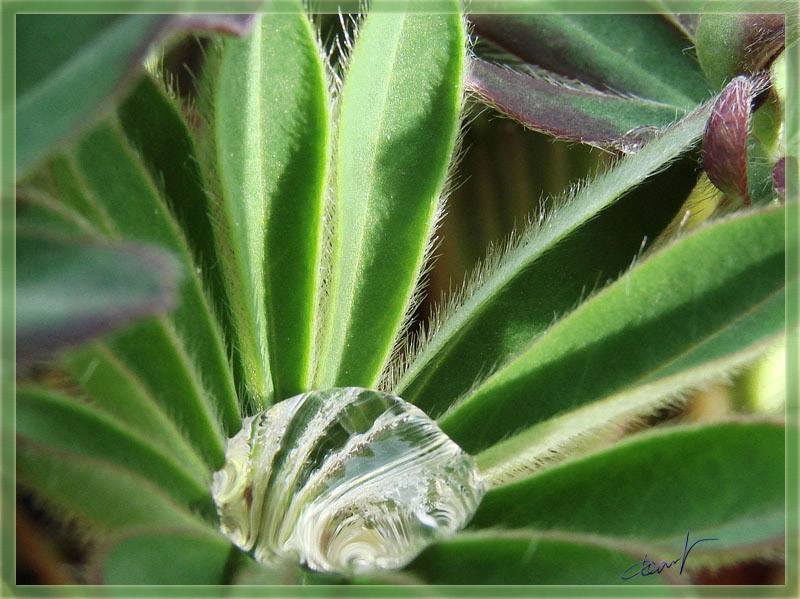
(344,480)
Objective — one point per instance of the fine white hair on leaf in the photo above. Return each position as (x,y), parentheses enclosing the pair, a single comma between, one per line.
(569,436)
(428,260)
(455,299)
(544,228)
(336,73)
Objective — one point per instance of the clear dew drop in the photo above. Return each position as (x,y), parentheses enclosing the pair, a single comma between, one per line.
(344,480)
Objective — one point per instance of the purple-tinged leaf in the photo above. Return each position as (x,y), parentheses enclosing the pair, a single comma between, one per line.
(69,65)
(643,55)
(570,112)
(738,44)
(70,291)
(779,177)
(725,140)
(232,24)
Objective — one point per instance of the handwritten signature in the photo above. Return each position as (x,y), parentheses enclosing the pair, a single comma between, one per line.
(647,567)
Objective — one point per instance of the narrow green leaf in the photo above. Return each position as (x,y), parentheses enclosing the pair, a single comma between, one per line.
(114,390)
(67,65)
(59,422)
(514,297)
(271,124)
(157,129)
(155,354)
(643,55)
(99,494)
(564,435)
(71,291)
(166,557)
(522,557)
(39,211)
(112,171)
(726,271)
(655,487)
(171,380)
(58,178)
(568,111)
(398,125)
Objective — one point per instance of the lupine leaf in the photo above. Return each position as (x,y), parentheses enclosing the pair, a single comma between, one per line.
(59,422)
(569,111)
(154,353)
(173,378)
(101,495)
(657,486)
(779,177)
(519,295)
(271,135)
(166,556)
(112,171)
(398,125)
(235,24)
(726,271)
(71,291)
(37,210)
(557,438)
(725,140)
(67,65)
(114,390)
(157,129)
(58,179)
(642,55)
(738,44)
(523,557)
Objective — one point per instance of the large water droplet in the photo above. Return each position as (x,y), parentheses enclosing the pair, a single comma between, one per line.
(344,480)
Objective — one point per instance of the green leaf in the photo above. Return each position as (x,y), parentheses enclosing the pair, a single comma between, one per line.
(98,494)
(271,124)
(726,271)
(157,129)
(111,171)
(561,436)
(655,487)
(172,378)
(738,44)
(71,291)
(67,65)
(167,557)
(114,390)
(642,55)
(529,557)
(568,111)
(154,352)
(56,421)
(38,211)
(513,298)
(398,125)
(58,178)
